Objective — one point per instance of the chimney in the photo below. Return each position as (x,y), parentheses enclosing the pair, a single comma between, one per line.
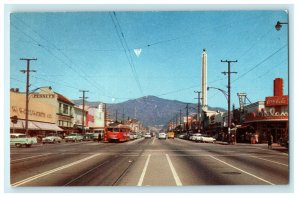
(278,87)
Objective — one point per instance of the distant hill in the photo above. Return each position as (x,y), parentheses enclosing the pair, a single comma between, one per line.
(150,110)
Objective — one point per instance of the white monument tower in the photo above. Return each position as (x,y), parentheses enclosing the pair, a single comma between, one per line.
(204,80)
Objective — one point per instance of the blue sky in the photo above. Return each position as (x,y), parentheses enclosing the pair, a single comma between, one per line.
(86,51)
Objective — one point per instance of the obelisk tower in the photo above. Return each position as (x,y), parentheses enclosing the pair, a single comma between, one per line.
(204,80)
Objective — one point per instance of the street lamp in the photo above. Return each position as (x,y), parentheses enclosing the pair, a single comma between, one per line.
(279,25)
(228,112)
(223,91)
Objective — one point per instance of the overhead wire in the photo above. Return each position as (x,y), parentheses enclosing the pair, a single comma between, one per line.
(260,63)
(123,42)
(58,58)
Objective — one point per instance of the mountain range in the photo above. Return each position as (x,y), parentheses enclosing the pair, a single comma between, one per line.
(150,110)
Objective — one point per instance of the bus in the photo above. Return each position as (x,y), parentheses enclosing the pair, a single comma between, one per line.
(118,133)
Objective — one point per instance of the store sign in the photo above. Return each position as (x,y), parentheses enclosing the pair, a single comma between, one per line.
(43,95)
(267,115)
(37,110)
(277,101)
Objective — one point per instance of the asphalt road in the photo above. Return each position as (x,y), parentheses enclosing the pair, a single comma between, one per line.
(147,162)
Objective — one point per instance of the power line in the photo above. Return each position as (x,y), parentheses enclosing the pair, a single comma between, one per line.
(126,48)
(58,58)
(260,63)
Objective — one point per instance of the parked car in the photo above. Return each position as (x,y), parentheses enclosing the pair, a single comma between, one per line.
(194,136)
(133,136)
(147,136)
(51,139)
(21,139)
(162,136)
(74,137)
(205,138)
(181,136)
(88,136)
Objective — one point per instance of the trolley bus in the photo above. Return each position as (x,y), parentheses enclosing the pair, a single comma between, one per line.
(118,133)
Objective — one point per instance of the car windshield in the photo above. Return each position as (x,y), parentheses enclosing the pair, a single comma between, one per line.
(73,134)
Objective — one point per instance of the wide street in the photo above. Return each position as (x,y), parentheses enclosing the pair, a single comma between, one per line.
(147,162)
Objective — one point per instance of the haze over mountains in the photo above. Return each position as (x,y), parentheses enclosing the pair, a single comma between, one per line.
(150,110)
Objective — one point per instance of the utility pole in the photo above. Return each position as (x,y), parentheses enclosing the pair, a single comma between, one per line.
(105,123)
(187,116)
(123,116)
(27,90)
(228,101)
(180,119)
(83,97)
(198,110)
(116,115)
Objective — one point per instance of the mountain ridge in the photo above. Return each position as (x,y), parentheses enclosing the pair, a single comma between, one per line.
(150,110)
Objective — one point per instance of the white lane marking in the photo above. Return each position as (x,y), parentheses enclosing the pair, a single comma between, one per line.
(242,171)
(144,171)
(30,157)
(52,171)
(134,141)
(153,140)
(270,161)
(176,177)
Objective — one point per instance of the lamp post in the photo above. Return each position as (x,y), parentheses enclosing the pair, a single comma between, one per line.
(278,28)
(223,91)
(228,112)
(279,25)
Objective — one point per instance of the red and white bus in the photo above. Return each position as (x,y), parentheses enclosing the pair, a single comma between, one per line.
(118,133)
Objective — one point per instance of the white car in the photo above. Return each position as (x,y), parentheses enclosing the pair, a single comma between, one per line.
(74,137)
(51,139)
(205,138)
(194,136)
(162,136)
(20,139)
(147,135)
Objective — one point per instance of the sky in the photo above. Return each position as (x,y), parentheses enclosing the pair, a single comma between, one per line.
(95,51)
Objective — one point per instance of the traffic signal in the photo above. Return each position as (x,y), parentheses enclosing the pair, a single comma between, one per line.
(14,119)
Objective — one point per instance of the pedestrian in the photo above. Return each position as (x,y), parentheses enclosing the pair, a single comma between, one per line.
(256,138)
(99,138)
(270,141)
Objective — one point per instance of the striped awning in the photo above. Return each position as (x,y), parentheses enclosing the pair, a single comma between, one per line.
(33,125)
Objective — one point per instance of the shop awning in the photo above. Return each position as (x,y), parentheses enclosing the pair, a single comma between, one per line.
(33,125)
(18,125)
(47,126)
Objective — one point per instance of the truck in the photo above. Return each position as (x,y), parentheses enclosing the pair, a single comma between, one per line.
(21,139)
(171,134)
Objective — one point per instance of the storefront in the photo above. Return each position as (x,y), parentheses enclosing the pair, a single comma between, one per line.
(41,115)
(270,118)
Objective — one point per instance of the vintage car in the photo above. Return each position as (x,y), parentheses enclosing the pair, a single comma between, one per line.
(162,136)
(21,139)
(74,137)
(51,139)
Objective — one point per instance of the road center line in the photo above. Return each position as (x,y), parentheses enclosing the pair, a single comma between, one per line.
(52,171)
(176,177)
(153,140)
(144,171)
(242,170)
